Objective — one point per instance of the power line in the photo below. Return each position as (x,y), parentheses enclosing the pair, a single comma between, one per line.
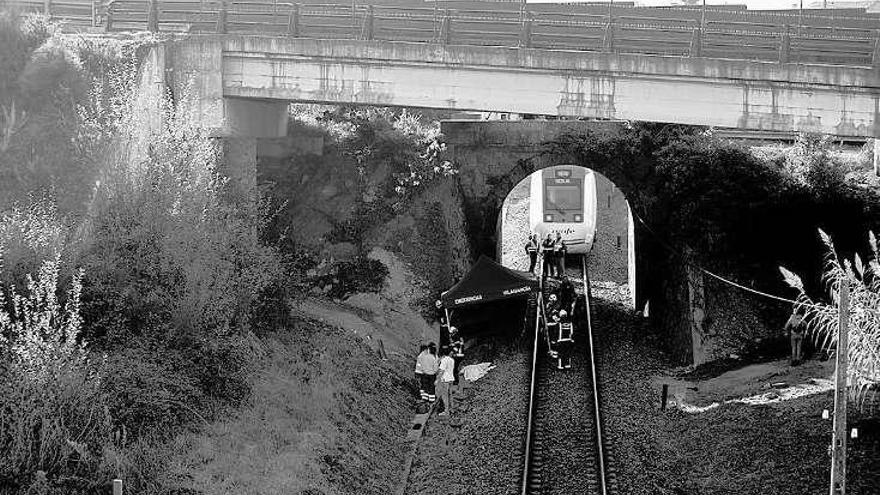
(687,261)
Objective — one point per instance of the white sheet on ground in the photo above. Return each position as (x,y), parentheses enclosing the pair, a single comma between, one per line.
(474,372)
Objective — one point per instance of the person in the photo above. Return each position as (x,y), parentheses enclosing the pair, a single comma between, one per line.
(567,294)
(532,251)
(429,365)
(553,332)
(559,252)
(552,305)
(456,344)
(549,263)
(564,341)
(440,316)
(445,378)
(419,374)
(795,327)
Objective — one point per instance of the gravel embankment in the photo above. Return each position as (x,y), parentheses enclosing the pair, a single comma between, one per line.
(478,450)
(735,449)
(566,417)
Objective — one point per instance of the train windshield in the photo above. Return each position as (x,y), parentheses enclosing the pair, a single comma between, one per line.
(563,197)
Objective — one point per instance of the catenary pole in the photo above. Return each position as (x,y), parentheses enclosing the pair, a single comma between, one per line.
(838,437)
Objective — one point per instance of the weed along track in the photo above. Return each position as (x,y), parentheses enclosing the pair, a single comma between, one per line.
(564,442)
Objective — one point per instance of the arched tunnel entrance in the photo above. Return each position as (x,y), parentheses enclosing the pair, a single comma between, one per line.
(601,218)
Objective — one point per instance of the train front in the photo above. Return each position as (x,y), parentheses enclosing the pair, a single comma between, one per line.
(563,200)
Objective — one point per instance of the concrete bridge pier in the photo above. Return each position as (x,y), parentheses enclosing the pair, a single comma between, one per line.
(189,72)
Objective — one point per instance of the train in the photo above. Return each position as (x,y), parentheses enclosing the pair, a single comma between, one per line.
(563,200)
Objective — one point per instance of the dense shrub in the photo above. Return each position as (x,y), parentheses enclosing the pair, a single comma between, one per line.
(360,274)
(53,411)
(172,265)
(822,319)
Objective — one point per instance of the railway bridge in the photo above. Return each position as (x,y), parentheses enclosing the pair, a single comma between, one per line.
(243,84)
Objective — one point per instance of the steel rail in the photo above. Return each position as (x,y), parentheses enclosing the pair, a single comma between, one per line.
(600,448)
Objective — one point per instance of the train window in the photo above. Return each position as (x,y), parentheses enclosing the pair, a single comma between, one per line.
(563,197)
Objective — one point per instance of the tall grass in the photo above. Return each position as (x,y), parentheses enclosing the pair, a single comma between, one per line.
(822,319)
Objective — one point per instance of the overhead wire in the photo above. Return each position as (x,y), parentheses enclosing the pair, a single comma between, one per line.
(714,275)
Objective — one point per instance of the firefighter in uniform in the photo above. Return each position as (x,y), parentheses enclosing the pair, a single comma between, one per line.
(564,341)
(553,331)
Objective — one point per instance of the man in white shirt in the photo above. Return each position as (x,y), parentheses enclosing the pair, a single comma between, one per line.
(445,377)
(427,362)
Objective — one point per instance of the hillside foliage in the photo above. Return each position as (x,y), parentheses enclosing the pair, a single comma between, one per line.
(822,318)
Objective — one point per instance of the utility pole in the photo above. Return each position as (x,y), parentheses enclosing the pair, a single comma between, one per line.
(838,437)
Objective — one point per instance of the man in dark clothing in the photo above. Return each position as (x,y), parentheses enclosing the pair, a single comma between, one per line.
(549,261)
(795,326)
(567,294)
(559,252)
(532,251)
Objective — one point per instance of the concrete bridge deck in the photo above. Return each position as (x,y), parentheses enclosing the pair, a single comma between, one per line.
(765,96)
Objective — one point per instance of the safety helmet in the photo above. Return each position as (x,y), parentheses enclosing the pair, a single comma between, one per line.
(453,330)
(438,303)
(552,297)
(563,313)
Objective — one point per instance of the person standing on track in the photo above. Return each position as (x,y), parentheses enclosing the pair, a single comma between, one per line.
(567,294)
(429,365)
(559,252)
(564,341)
(532,251)
(549,264)
(445,378)
(553,331)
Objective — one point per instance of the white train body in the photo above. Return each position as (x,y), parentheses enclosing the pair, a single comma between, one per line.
(563,199)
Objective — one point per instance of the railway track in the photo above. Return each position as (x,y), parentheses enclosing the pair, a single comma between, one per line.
(565,452)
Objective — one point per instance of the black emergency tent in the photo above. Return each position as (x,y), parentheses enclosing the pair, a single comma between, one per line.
(488,281)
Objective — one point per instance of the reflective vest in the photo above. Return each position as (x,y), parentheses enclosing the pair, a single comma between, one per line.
(566,332)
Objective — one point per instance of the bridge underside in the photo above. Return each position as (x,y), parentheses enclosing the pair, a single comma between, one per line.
(762,96)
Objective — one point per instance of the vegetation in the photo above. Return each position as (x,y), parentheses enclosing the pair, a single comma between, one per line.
(165,273)
(822,319)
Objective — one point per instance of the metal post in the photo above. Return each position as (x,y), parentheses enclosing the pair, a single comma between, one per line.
(117,487)
(608,38)
(875,57)
(703,16)
(447,28)
(153,16)
(525,35)
(838,437)
(293,21)
(47,7)
(368,23)
(696,43)
(221,17)
(785,46)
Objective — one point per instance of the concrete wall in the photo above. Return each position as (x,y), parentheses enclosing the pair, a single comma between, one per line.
(767,96)
(609,259)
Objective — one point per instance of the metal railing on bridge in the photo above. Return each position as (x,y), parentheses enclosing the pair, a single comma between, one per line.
(727,34)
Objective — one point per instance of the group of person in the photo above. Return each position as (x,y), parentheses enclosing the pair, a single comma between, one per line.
(552,252)
(559,311)
(437,372)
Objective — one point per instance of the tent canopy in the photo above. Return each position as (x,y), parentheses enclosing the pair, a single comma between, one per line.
(488,281)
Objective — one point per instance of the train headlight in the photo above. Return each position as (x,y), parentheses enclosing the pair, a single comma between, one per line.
(548,217)
(578,218)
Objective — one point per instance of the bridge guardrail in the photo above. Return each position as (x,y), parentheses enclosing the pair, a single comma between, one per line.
(841,40)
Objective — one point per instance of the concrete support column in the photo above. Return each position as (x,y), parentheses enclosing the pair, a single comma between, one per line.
(697,305)
(876,158)
(239,164)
